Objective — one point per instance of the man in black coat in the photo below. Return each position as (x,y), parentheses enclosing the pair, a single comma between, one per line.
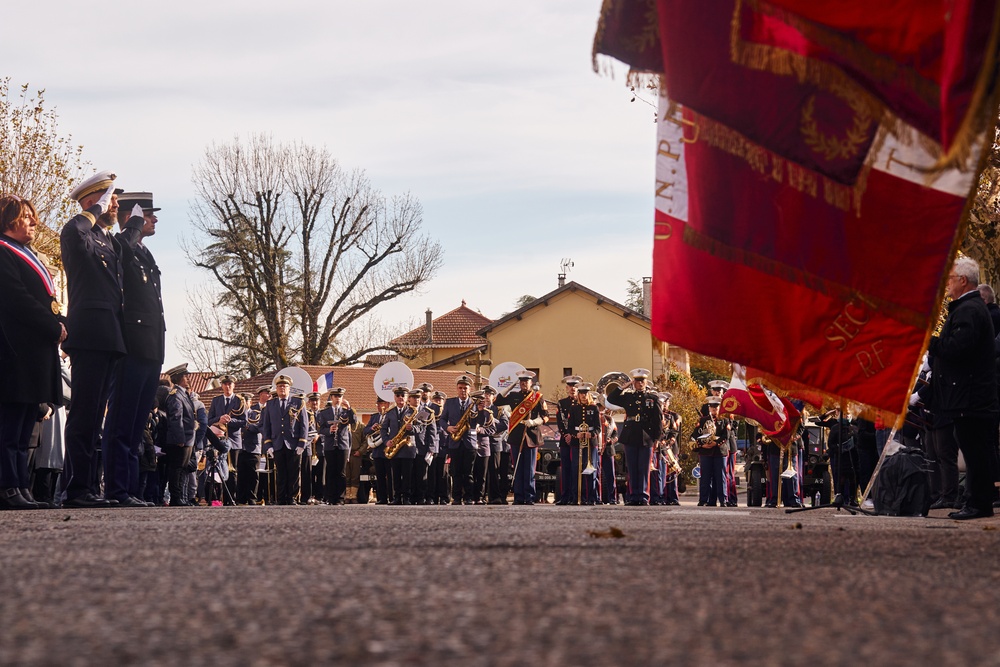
(963,385)
(94,323)
(643,427)
(138,373)
(30,332)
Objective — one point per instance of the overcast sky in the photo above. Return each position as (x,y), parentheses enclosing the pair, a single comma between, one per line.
(489,113)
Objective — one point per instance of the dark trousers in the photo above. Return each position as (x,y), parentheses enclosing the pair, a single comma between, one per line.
(365,471)
(133,390)
(402,479)
(498,476)
(524,473)
(92,374)
(712,486)
(657,479)
(977,438)
(232,483)
(177,460)
(844,468)
(247,478)
(637,465)
(609,491)
(418,481)
(17,420)
(286,474)
(777,463)
(567,472)
(942,449)
(479,477)
(462,489)
(305,476)
(318,474)
(336,474)
(383,480)
(730,470)
(437,479)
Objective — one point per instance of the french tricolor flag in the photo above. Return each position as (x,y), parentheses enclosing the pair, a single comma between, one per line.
(323,383)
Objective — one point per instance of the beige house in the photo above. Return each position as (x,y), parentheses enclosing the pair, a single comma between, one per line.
(574,331)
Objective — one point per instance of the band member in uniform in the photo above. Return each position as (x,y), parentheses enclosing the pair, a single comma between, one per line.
(335,422)
(30,332)
(138,374)
(427,447)
(718,388)
(658,468)
(284,427)
(437,474)
(94,324)
(643,427)
(227,412)
(528,412)
(459,419)
(401,421)
(711,436)
(380,464)
(498,465)
(671,430)
(609,437)
(247,475)
(180,436)
(568,460)
(312,444)
(585,427)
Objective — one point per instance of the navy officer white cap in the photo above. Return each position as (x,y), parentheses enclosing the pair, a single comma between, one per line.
(639,373)
(99,182)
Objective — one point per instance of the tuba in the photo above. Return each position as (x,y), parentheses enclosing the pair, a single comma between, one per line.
(615,379)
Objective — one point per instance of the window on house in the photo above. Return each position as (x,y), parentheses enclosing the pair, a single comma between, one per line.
(567,371)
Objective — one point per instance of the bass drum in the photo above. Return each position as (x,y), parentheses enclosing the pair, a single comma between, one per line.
(302,382)
(389,376)
(504,376)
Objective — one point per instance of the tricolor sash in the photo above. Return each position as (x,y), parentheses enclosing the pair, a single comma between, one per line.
(524,408)
(33,262)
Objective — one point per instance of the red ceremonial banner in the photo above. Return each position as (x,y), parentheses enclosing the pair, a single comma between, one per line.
(839,298)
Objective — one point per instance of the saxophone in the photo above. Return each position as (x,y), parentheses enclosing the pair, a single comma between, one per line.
(462,426)
(403,437)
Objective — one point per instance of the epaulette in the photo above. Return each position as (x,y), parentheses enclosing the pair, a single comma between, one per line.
(172,391)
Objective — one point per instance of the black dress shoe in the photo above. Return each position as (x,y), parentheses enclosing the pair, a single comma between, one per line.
(969,512)
(940,505)
(41,504)
(129,501)
(86,501)
(11,499)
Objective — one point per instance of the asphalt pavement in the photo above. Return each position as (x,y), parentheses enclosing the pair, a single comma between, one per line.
(487,585)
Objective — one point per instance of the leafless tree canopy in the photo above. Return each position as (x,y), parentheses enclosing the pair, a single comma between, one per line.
(38,163)
(301,253)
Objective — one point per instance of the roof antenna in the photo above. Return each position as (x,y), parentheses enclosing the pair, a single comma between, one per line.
(564,267)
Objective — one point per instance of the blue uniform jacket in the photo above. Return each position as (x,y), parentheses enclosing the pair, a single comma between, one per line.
(335,424)
(234,430)
(284,428)
(180,418)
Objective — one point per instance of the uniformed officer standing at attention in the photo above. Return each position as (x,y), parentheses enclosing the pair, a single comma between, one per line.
(227,412)
(642,428)
(94,324)
(585,427)
(335,422)
(528,413)
(181,428)
(284,428)
(138,373)
(568,458)
(458,419)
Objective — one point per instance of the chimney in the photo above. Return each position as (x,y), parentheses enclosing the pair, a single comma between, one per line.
(647,296)
(430,326)
(562,280)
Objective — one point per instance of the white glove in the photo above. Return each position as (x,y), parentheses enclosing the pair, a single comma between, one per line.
(105,201)
(299,450)
(270,453)
(136,212)
(914,398)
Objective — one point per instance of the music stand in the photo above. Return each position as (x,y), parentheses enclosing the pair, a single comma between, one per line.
(213,465)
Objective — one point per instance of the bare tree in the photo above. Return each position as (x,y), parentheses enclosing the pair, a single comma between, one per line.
(37,162)
(301,252)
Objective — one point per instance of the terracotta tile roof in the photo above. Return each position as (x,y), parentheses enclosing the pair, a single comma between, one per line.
(377,360)
(356,380)
(453,329)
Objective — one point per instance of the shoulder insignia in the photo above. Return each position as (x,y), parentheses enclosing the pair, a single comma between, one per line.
(172,392)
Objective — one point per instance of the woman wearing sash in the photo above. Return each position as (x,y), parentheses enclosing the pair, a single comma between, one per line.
(32,329)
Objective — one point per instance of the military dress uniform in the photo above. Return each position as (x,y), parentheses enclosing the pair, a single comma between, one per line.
(673,424)
(283,428)
(380,464)
(642,428)
(498,465)
(235,407)
(95,340)
(427,448)
(335,425)
(249,463)
(401,465)
(568,459)
(463,450)
(180,438)
(524,437)
(609,481)
(137,375)
(313,444)
(584,419)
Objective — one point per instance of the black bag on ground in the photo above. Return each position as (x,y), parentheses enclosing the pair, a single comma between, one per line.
(902,488)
